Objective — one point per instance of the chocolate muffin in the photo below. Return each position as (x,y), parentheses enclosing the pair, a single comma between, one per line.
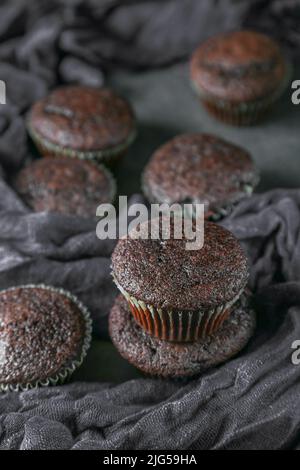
(84,122)
(238,75)
(177,294)
(177,360)
(200,168)
(68,186)
(44,336)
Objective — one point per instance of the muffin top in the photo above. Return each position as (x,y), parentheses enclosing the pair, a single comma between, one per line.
(65,185)
(199,168)
(42,332)
(82,118)
(165,274)
(238,66)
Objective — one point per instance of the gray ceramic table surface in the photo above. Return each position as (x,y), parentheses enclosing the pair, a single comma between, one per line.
(165,105)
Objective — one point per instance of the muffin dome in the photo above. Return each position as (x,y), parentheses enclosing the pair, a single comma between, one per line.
(44,335)
(165,274)
(238,66)
(200,168)
(65,185)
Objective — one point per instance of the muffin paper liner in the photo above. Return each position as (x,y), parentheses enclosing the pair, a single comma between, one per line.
(177,326)
(245,113)
(48,148)
(236,116)
(66,371)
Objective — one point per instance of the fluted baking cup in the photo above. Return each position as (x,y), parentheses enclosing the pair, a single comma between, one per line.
(245,113)
(179,361)
(48,148)
(174,325)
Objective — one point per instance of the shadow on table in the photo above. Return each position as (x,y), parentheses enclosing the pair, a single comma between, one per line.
(104,364)
(128,171)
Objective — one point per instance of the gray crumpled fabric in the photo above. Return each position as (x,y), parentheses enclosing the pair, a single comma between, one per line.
(251,401)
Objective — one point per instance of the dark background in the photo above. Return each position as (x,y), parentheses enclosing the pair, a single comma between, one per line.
(141,48)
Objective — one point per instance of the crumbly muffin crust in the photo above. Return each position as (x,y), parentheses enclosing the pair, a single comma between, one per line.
(199,168)
(238,66)
(82,118)
(43,332)
(164,274)
(68,186)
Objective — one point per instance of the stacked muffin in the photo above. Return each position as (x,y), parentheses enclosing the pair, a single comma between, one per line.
(181,310)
